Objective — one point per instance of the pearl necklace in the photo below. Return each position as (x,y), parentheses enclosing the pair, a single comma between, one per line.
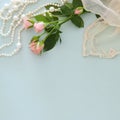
(16,20)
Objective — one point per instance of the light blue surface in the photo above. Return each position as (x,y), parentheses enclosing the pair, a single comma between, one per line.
(60,85)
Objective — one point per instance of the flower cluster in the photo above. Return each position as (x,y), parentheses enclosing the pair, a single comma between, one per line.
(36,46)
(48,24)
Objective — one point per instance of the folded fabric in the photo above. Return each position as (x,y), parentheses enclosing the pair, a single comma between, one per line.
(102,38)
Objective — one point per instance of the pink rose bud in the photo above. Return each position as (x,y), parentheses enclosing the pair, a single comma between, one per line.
(39,48)
(39,26)
(32,45)
(78,11)
(36,47)
(26,23)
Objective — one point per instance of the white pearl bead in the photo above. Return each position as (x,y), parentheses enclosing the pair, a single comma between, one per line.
(15,7)
(59,9)
(51,9)
(15,17)
(16,1)
(10,11)
(23,15)
(18,45)
(12,24)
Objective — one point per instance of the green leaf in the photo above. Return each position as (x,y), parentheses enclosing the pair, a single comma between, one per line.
(50,17)
(51,41)
(66,9)
(35,38)
(54,18)
(69,5)
(77,3)
(57,13)
(41,18)
(32,21)
(77,21)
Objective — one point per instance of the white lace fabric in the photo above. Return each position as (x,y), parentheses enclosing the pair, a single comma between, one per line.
(102,38)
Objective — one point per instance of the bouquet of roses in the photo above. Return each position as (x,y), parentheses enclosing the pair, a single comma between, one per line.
(48,24)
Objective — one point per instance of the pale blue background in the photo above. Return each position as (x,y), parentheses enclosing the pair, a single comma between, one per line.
(60,85)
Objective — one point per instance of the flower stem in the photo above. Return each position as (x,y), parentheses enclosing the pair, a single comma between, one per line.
(65,20)
(50,32)
(57,25)
(41,34)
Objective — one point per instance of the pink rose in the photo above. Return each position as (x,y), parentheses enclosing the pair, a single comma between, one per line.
(36,47)
(26,23)
(32,45)
(39,26)
(78,11)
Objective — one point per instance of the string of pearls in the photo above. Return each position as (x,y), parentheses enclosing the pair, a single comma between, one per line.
(18,6)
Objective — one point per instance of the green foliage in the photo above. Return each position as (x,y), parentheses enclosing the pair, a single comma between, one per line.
(77,21)
(77,3)
(51,41)
(48,17)
(67,9)
(53,21)
(41,18)
(49,27)
(57,13)
(35,38)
